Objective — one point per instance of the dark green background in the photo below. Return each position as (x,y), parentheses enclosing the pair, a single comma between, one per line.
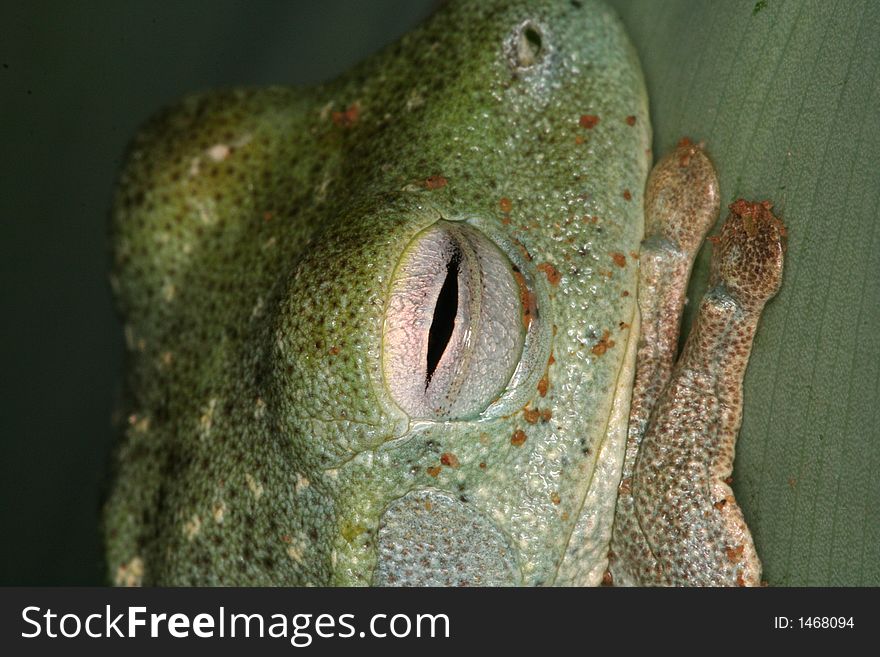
(786,93)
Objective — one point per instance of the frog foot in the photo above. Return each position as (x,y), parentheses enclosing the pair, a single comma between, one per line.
(677,522)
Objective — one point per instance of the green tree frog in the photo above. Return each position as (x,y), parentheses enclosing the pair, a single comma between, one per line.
(418,326)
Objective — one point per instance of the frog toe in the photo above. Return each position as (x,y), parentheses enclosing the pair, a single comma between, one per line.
(749,253)
(681,199)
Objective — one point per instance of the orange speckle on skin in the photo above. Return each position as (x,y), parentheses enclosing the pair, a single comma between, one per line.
(449,459)
(734,554)
(729,481)
(720,504)
(740,581)
(434,470)
(349,117)
(543,385)
(623,326)
(619,259)
(554,497)
(607,579)
(546,415)
(482,465)
(267,215)
(754,213)
(334,351)
(588,121)
(550,360)
(625,293)
(578,140)
(634,255)
(526,297)
(551,272)
(631,120)
(627,195)
(505,204)
(505,220)
(687,149)
(604,344)
(518,438)
(435,182)
(531,415)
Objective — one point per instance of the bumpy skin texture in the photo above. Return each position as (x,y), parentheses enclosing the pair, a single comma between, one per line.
(677,522)
(256,235)
(683,500)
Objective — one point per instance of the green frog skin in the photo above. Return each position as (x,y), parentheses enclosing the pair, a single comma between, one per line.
(384,331)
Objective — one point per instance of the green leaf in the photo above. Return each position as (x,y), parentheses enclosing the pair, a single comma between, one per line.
(786,95)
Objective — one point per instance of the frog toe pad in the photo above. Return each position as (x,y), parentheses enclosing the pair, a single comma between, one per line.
(749,252)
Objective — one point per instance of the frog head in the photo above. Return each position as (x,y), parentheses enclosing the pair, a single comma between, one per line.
(381,331)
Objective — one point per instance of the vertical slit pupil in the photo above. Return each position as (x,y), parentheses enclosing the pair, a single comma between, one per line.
(444,316)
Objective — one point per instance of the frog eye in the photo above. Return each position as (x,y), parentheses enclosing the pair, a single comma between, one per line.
(454,331)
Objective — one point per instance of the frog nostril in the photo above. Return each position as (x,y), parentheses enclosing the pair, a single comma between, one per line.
(528,46)
(445,311)
(533,39)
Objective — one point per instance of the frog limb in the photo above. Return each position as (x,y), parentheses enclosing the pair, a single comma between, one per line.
(681,203)
(683,503)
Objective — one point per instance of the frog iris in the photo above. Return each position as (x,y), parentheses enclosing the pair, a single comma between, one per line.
(453,332)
